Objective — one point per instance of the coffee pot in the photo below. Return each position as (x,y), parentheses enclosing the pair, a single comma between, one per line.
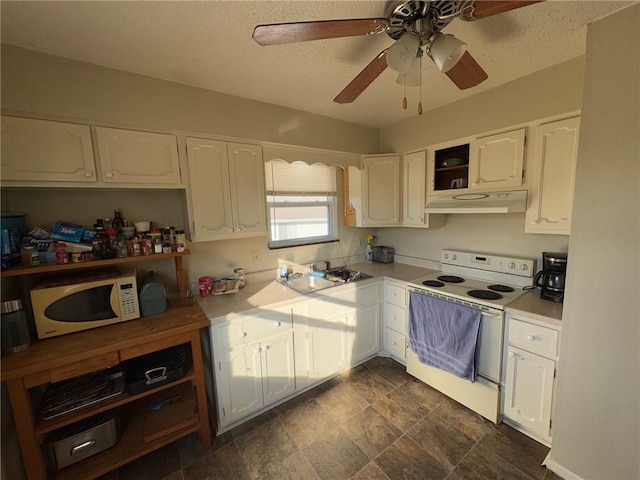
(552,277)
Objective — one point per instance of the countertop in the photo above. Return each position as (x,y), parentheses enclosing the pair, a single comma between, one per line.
(272,294)
(531,305)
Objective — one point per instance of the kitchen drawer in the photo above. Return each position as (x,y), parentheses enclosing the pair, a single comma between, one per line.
(251,329)
(395,344)
(394,318)
(533,338)
(395,295)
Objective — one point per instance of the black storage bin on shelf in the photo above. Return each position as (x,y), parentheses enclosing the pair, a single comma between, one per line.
(155,369)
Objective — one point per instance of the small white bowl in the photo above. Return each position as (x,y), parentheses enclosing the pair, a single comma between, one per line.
(142,226)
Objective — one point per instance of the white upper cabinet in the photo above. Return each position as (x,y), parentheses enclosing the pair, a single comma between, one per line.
(496,160)
(414,192)
(45,151)
(381,191)
(130,156)
(554,171)
(490,163)
(414,178)
(226,188)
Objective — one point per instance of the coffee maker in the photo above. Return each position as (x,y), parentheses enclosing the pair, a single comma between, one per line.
(552,276)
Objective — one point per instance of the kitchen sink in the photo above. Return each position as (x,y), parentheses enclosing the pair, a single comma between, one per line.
(309,284)
(332,278)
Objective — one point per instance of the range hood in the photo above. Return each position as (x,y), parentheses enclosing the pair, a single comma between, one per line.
(494,202)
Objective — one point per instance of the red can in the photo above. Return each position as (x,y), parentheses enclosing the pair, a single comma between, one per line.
(204,286)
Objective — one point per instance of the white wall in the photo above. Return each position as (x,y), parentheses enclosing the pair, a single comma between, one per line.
(597,427)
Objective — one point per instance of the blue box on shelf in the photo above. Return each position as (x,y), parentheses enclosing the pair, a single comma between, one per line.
(68,232)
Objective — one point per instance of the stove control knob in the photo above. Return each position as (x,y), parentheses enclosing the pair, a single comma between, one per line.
(512,265)
(454,257)
(524,267)
(446,256)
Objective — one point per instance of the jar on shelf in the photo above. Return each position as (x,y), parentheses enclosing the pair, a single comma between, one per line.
(238,274)
(62,256)
(181,241)
(15,330)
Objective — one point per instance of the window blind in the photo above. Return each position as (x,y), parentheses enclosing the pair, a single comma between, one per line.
(299,178)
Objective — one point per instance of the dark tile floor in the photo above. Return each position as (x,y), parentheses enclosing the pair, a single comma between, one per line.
(373,422)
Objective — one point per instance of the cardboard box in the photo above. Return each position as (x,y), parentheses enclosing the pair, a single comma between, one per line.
(68,232)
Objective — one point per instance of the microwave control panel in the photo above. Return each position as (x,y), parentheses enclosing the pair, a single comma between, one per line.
(128,297)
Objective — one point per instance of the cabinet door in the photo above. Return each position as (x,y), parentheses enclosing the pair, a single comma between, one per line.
(238,383)
(496,161)
(554,171)
(210,189)
(529,390)
(414,183)
(395,344)
(40,150)
(365,333)
(246,173)
(278,368)
(381,191)
(129,156)
(327,346)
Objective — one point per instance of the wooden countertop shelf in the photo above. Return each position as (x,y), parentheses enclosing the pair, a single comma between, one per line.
(68,356)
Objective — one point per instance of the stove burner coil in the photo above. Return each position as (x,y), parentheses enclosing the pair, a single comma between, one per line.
(501,288)
(450,279)
(484,294)
(433,283)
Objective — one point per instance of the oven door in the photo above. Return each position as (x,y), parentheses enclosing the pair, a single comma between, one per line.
(482,396)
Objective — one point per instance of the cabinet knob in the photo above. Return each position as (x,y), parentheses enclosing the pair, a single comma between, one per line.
(277,324)
(88,174)
(108,175)
(393,343)
(513,354)
(531,338)
(243,334)
(394,317)
(257,350)
(266,347)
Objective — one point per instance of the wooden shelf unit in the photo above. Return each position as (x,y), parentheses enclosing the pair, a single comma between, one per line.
(68,356)
(55,268)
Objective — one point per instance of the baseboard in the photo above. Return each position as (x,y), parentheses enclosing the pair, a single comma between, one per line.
(559,469)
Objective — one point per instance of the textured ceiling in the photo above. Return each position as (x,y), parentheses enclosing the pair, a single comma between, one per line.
(208,44)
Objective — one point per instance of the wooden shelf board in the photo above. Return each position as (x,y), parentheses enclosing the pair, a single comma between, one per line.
(456,167)
(46,426)
(130,446)
(54,267)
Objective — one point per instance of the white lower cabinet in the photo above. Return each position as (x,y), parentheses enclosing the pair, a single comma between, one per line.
(327,346)
(264,358)
(364,326)
(529,378)
(395,320)
(254,363)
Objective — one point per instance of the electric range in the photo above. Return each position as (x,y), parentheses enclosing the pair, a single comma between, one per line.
(474,278)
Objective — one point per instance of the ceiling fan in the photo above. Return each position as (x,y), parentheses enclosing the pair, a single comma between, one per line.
(415,25)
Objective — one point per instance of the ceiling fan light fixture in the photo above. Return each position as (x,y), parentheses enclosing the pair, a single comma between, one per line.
(411,78)
(446,50)
(400,55)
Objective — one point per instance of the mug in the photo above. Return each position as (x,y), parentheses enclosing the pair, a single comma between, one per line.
(459,183)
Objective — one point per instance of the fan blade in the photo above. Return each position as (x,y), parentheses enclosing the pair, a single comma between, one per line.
(363,79)
(279,33)
(467,72)
(487,8)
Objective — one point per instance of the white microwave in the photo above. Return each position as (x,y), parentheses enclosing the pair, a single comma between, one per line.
(80,301)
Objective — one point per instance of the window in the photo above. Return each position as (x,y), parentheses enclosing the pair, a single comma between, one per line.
(301,203)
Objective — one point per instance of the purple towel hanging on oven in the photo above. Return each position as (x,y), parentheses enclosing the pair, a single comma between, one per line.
(444,334)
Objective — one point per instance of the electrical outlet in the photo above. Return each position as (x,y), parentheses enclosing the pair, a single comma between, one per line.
(255,256)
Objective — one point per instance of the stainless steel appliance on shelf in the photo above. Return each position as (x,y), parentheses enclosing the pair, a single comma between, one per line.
(486,283)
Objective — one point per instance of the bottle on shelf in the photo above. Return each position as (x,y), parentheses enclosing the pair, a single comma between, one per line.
(117,222)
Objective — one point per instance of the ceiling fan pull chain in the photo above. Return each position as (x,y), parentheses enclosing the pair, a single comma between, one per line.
(420,99)
(404,99)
